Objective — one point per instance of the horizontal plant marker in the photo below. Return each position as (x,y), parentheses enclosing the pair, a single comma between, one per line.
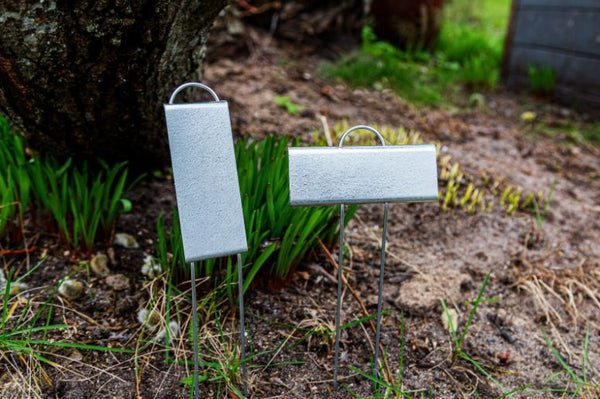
(332,175)
(206,180)
(326,175)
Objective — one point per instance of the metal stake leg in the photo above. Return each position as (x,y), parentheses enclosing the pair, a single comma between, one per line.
(380,300)
(242,327)
(338,313)
(195,327)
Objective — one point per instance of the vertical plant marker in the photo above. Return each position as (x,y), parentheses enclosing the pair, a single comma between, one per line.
(208,193)
(362,174)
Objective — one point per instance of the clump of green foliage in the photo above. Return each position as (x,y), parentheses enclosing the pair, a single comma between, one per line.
(467,53)
(472,37)
(541,80)
(80,203)
(279,236)
(380,65)
(286,103)
(472,194)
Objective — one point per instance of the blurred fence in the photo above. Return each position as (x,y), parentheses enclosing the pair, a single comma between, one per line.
(563,35)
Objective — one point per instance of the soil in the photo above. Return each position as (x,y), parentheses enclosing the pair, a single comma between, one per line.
(544,281)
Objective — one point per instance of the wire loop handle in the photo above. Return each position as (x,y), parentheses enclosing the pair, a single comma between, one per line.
(361,127)
(193,84)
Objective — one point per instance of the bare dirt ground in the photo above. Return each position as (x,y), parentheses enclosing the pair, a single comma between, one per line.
(543,280)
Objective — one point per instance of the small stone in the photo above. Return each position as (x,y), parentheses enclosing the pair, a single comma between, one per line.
(372,300)
(378,86)
(449,319)
(528,116)
(17,288)
(71,289)
(99,265)
(476,100)
(173,332)
(117,282)
(126,240)
(151,267)
(149,319)
(421,293)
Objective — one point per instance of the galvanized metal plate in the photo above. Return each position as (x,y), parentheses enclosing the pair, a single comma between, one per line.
(364,174)
(206,180)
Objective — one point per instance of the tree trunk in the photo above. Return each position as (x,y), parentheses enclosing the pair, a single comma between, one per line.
(88,78)
(407,23)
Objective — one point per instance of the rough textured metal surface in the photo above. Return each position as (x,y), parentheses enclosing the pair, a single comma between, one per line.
(329,175)
(206,180)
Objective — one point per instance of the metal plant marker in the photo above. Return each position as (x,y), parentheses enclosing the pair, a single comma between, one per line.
(362,174)
(208,193)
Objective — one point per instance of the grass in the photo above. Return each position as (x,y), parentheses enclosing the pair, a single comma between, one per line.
(28,336)
(577,384)
(540,214)
(286,103)
(541,80)
(467,54)
(458,340)
(392,389)
(573,131)
(379,65)
(79,203)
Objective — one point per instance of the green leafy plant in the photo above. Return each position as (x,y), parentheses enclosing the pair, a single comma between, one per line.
(286,103)
(541,80)
(80,203)
(457,340)
(279,236)
(479,72)
(379,64)
(540,215)
(14,182)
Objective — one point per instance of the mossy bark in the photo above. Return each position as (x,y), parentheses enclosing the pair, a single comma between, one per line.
(88,78)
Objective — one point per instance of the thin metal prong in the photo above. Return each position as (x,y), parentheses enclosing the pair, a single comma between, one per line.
(338,313)
(380,299)
(194,327)
(242,326)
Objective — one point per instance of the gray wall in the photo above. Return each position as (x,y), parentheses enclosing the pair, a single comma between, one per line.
(563,35)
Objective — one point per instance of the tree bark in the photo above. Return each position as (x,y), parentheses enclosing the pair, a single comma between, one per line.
(408,23)
(88,78)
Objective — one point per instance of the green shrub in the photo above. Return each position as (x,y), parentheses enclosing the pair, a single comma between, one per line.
(379,65)
(279,236)
(479,72)
(468,53)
